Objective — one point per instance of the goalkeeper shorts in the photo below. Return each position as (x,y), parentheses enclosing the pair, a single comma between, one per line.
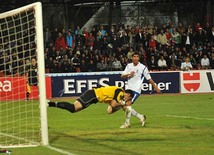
(87,98)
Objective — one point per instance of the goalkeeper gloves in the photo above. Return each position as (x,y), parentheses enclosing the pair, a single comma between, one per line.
(122,102)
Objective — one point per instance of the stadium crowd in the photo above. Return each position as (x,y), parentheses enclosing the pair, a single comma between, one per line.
(161,48)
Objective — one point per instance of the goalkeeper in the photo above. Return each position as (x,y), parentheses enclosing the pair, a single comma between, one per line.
(115,96)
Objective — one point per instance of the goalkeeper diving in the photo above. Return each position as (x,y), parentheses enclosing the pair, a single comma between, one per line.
(115,96)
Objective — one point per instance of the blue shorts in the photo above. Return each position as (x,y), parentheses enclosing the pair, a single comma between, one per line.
(136,95)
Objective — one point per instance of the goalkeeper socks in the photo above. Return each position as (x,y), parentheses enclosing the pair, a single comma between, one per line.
(52,104)
(136,114)
(62,105)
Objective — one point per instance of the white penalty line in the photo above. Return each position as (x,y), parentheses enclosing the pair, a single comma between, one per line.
(58,150)
(187,117)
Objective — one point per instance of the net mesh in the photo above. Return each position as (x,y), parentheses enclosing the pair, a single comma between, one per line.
(19,117)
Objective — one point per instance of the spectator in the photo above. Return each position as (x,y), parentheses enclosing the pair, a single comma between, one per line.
(173,63)
(102,31)
(97,44)
(79,40)
(90,41)
(75,60)
(54,67)
(83,66)
(198,27)
(200,37)
(65,58)
(60,41)
(180,57)
(78,31)
(138,38)
(59,56)
(186,66)
(124,40)
(128,30)
(85,36)
(115,41)
(168,37)
(91,66)
(54,34)
(180,28)
(85,58)
(152,64)
(132,35)
(193,61)
(65,67)
(102,65)
(176,38)
(94,32)
(112,31)
(116,65)
(123,62)
(104,44)
(162,64)
(47,37)
(205,62)
(69,39)
(129,54)
(161,38)
(152,42)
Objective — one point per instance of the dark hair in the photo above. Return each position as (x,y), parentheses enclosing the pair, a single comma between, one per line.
(129,91)
(135,53)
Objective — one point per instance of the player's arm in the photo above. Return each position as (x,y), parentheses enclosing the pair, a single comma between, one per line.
(127,75)
(117,102)
(148,77)
(154,86)
(113,106)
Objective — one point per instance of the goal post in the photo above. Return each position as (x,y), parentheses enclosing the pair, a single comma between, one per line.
(22,122)
(41,72)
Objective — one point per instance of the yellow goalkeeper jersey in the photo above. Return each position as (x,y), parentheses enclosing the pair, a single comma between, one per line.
(107,94)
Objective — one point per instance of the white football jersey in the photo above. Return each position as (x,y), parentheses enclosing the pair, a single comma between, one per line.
(135,83)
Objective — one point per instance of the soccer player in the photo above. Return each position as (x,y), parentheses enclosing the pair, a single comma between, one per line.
(115,96)
(135,73)
(31,76)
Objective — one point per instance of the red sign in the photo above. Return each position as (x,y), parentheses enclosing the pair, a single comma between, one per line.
(15,88)
(12,88)
(191,81)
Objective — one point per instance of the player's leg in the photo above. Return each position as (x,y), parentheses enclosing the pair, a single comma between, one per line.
(77,106)
(82,102)
(130,111)
(135,113)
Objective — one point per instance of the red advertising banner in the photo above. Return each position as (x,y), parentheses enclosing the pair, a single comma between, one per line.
(15,88)
(12,88)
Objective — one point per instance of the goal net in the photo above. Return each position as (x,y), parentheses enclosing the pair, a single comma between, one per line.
(23,112)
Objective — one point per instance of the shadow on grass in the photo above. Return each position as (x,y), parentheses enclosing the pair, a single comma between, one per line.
(107,143)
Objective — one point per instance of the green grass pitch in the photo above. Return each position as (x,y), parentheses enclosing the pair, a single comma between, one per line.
(176,125)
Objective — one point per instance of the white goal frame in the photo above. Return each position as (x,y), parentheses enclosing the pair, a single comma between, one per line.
(40,61)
